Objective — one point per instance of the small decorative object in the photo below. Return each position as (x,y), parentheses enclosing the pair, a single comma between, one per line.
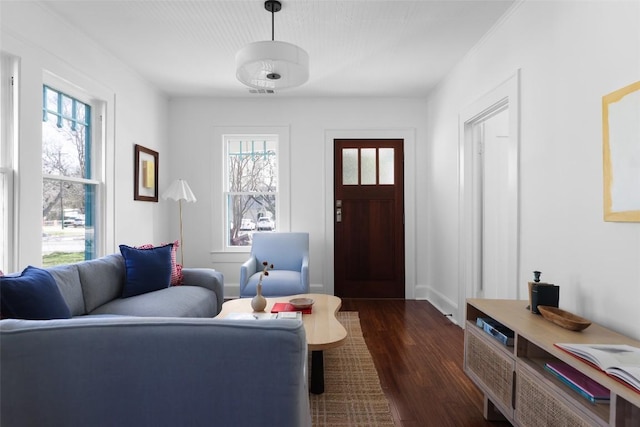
(301,303)
(563,318)
(536,279)
(259,303)
(536,276)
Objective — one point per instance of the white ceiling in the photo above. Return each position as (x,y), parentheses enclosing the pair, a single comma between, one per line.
(356,47)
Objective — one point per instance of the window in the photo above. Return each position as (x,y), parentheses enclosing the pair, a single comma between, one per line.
(69,195)
(251,187)
(8,117)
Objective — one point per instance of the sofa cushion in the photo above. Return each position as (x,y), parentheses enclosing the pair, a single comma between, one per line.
(102,280)
(68,280)
(146,270)
(176,269)
(32,295)
(174,301)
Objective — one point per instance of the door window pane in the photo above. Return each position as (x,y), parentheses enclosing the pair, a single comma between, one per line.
(386,166)
(368,158)
(350,166)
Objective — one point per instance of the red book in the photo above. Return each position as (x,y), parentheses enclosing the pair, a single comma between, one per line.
(285,306)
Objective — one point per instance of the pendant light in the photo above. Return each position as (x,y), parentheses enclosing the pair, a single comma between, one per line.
(272,64)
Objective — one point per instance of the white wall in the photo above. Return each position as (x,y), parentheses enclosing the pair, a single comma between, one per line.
(570,55)
(196,157)
(137,114)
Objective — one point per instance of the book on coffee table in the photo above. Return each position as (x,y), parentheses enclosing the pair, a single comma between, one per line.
(285,306)
(250,316)
(295,315)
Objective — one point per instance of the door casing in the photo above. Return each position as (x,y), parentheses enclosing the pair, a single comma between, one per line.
(369,248)
(470,246)
(412,290)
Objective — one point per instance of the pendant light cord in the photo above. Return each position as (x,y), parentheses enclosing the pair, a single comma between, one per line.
(272,25)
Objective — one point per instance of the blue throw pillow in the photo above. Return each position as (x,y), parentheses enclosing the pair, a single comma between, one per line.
(146,269)
(32,295)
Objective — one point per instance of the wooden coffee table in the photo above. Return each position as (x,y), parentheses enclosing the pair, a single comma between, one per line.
(321,327)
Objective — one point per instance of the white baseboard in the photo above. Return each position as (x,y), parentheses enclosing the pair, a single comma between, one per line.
(447,307)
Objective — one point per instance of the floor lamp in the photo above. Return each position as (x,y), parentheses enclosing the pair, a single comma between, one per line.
(179,190)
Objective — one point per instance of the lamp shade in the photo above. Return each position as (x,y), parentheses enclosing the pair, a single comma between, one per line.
(179,190)
(272,65)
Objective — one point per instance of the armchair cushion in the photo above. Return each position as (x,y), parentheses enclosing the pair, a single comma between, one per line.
(289,254)
(278,283)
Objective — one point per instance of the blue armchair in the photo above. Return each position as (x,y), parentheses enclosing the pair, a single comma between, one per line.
(289,254)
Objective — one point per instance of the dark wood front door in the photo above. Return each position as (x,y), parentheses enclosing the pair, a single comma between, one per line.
(369,218)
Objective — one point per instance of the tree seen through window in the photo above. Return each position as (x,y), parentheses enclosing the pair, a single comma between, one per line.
(252,184)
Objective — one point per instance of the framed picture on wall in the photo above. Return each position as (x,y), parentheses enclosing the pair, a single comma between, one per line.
(145,181)
(621,154)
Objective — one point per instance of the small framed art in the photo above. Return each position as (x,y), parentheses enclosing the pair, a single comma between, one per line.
(145,182)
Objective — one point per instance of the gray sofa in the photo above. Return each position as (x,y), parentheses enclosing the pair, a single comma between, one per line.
(94,287)
(146,371)
(156,359)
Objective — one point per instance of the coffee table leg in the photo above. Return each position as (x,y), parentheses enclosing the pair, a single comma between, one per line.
(317,372)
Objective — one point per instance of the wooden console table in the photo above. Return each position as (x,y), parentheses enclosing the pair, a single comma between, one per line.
(513,379)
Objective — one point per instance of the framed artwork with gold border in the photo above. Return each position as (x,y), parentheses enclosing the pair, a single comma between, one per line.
(145,182)
(621,154)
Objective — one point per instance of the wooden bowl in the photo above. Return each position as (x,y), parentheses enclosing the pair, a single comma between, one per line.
(563,318)
(301,303)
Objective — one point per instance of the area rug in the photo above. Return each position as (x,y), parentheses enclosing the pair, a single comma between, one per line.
(352,393)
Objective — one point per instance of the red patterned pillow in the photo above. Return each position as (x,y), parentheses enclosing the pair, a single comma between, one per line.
(176,269)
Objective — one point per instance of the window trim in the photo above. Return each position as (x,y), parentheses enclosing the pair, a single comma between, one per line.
(218,161)
(8,147)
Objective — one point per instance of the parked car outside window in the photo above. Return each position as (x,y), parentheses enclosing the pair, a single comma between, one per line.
(247,224)
(265,224)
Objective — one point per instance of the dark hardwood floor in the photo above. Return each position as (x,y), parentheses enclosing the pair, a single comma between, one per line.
(418,353)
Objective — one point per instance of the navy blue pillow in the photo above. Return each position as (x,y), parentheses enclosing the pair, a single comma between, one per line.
(147,270)
(32,295)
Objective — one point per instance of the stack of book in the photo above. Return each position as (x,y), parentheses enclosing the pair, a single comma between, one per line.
(579,382)
(496,330)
